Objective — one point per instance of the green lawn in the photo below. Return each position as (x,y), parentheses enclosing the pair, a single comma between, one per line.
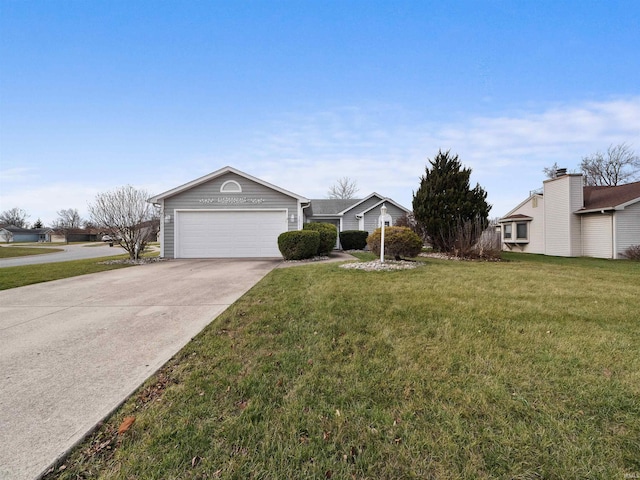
(12,277)
(9,252)
(526,369)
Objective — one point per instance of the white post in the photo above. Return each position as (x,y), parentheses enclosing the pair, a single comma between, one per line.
(383,214)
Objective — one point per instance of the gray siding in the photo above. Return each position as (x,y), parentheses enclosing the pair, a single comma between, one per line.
(627,224)
(349,220)
(254,196)
(371,217)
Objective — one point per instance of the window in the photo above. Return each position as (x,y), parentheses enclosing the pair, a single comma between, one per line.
(507,230)
(386,223)
(230,186)
(521,231)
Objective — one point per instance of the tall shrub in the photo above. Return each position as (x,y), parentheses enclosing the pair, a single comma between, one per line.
(398,242)
(299,244)
(445,202)
(328,236)
(353,239)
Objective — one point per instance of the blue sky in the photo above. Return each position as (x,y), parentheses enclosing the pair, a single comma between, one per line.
(96,95)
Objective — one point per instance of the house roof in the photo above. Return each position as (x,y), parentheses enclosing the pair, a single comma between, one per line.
(218,173)
(331,206)
(14,229)
(609,198)
(384,200)
(517,216)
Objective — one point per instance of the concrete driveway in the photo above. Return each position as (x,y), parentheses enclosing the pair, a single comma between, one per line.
(70,252)
(71,350)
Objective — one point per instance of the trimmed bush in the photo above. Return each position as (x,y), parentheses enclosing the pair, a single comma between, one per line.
(298,245)
(398,242)
(354,239)
(328,236)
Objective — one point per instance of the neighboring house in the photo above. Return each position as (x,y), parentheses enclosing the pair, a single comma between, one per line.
(11,233)
(354,214)
(229,213)
(568,219)
(77,235)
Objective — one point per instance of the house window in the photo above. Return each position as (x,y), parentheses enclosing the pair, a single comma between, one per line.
(507,231)
(386,223)
(230,186)
(521,231)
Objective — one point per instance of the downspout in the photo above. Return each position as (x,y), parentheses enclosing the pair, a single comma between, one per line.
(301,214)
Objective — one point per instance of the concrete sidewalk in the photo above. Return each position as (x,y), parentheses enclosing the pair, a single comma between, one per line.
(71,350)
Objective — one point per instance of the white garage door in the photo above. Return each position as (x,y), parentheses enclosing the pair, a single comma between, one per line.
(229,234)
(597,236)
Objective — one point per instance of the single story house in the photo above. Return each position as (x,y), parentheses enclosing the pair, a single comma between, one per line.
(229,213)
(11,233)
(567,219)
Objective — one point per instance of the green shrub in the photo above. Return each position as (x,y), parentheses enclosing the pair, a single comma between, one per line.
(299,244)
(398,241)
(328,235)
(353,239)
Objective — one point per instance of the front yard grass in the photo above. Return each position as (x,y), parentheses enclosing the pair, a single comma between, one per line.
(522,369)
(12,277)
(10,252)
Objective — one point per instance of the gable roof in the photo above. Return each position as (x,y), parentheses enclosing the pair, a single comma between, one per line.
(20,230)
(331,206)
(384,200)
(610,198)
(218,173)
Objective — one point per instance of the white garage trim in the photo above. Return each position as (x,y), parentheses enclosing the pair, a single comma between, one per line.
(229,233)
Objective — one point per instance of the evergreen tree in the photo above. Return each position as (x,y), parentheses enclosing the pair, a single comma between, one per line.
(445,205)
(38,224)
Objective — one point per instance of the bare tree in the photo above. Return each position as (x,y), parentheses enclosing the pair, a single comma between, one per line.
(68,219)
(126,215)
(552,171)
(344,188)
(619,165)
(14,216)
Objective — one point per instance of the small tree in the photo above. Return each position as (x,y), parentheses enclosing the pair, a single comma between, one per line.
(344,188)
(125,214)
(445,202)
(619,165)
(67,220)
(398,242)
(14,216)
(37,224)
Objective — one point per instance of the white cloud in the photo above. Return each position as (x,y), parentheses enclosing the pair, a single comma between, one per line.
(385,149)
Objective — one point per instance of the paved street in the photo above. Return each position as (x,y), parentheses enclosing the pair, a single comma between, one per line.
(71,252)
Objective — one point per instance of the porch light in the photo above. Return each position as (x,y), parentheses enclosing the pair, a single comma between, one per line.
(383,214)
(167,218)
(292,218)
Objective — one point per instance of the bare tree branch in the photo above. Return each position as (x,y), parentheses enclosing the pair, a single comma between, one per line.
(14,216)
(127,217)
(619,165)
(67,220)
(344,188)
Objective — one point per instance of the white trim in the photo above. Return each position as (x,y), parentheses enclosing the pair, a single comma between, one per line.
(162,214)
(217,173)
(384,200)
(360,203)
(238,188)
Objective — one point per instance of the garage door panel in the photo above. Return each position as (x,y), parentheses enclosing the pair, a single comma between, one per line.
(229,234)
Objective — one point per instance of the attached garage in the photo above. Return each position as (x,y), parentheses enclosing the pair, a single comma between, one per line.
(227,214)
(229,233)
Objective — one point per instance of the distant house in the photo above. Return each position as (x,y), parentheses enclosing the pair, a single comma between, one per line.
(11,233)
(229,213)
(567,219)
